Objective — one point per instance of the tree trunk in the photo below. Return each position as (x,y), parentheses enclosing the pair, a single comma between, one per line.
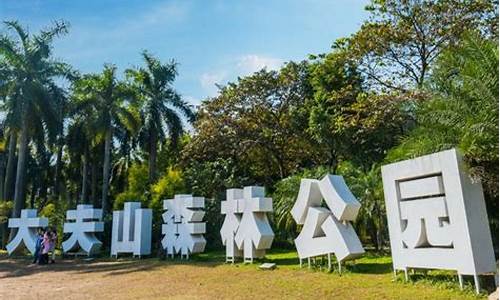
(84,197)
(57,176)
(153,153)
(381,227)
(93,188)
(11,161)
(19,193)
(3,226)
(105,171)
(43,188)
(2,176)
(32,195)
(8,191)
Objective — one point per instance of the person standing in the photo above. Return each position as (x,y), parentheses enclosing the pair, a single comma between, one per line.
(44,257)
(38,245)
(53,242)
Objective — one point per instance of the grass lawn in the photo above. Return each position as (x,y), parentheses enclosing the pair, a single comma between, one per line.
(207,276)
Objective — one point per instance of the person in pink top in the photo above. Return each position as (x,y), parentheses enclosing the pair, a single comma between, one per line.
(52,244)
(44,259)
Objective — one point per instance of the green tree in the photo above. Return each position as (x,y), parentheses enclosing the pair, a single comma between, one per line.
(463,113)
(109,99)
(138,188)
(167,186)
(160,108)
(368,189)
(397,46)
(79,142)
(257,125)
(7,90)
(30,101)
(348,123)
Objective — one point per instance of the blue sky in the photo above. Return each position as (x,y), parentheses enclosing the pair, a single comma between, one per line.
(213,41)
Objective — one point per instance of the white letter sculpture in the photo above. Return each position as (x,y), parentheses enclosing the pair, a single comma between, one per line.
(231,209)
(132,230)
(246,228)
(437,216)
(183,228)
(326,230)
(27,226)
(87,221)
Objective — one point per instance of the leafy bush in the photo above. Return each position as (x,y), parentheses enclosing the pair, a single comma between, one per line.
(166,187)
(5,209)
(138,187)
(129,196)
(366,185)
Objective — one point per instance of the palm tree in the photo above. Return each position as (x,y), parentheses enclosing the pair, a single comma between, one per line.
(161,106)
(6,89)
(367,186)
(78,142)
(61,114)
(29,102)
(109,99)
(8,191)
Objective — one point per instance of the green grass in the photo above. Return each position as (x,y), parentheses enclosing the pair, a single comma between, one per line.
(369,277)
(371,263)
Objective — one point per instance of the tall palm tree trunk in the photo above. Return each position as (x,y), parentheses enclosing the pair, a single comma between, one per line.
(11,160)
(105,171)
(93,182)
(3,226)
(19,192)
(8,189)
(153,153)
(33,195)
(57,176)
(84,196)
(2,175)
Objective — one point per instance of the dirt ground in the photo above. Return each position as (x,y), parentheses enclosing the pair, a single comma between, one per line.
(156,279)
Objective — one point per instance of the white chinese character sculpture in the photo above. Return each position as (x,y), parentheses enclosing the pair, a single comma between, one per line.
(87,221)
(326,230)
(27,226)
(183,228)
(131,230)
(246,229)
(231,208)
(437,216)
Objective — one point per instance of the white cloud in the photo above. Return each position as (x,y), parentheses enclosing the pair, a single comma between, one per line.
(191,100)
(208,81)
(252,63)
(241,66)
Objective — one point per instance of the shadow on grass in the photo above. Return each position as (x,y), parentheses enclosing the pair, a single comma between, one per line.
(370,263)
(448,279)
(19,266)
(371,268)
(284,261)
